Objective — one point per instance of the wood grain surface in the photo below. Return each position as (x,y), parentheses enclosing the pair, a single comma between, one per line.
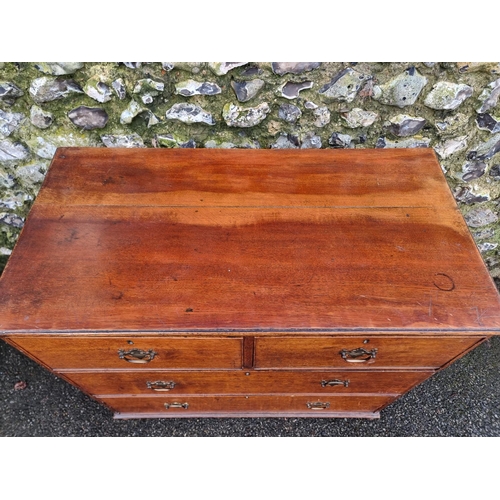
(208,240)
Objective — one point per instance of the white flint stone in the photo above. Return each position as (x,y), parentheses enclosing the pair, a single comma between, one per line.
(322,115)
(311,141)
(123,141)
(189,113)
(97,90)
(133,109)
(413,142)
(222,68)
(451,146)
(59,68)
(344,86)
(236,116)
(357,118)
(31,175)
(401,91)
(191,87)
(447,95)
(6,179)
(13,151)
(9,122)
(489,96)
(46,89)
(40,118)
(479,217)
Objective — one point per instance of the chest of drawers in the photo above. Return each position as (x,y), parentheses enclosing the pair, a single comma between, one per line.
(181,283)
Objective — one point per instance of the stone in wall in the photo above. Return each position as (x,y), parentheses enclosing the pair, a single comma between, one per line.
(344,86)
(147,88)
(9,122)
(11,220)
(340,141)
(222,68)
(46,89)
(9,92)
(13,151)
(487,122)
(119,88)
(296,68)
(32,175)
(236,116)
(133,109)
(489,97)
(404,125)
(40,118)
(14,199)
(458,123)
(88,118)
(311,141)
(495,172)
(189,113)
(485,150)
(473,170)
(59,68)
(174,141)
(357,118)
(447,95)
(286,141)
(6,179)
(242,143)
(451,146)
(192,87)
(97,90)
(123,141)
(289,112)
(401,91)
(466,195)
(290,90)
(322,115)
(247,90)
(413,142)
(479,217)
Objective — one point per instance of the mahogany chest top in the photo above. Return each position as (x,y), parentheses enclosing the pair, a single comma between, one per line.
(212,240)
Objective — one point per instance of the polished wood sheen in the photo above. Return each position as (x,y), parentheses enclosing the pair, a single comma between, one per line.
(210,265)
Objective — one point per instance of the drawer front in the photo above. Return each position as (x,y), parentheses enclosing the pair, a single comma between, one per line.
(354,352)
(181,406)
(247,382)
(62,353)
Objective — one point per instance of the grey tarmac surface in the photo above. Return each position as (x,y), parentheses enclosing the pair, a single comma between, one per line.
(462,400)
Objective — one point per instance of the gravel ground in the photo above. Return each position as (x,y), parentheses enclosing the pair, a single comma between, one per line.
(462,400)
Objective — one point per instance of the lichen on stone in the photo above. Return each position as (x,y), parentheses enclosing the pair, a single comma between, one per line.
(447,95)
(401,91)
(236,116)
(189,113)
(344,85)
(358,117)
(190,87)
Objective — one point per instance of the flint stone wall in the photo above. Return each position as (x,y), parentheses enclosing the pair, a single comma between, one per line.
(449,106)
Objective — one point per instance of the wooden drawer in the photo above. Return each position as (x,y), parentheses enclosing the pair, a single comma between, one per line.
(246,382)
(382,352)
(61,353)
(234,406)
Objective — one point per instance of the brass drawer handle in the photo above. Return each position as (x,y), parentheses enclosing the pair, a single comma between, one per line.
(318,406)
(176,405)
(358,355)
(160,385)
(137,355)
(325,383)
